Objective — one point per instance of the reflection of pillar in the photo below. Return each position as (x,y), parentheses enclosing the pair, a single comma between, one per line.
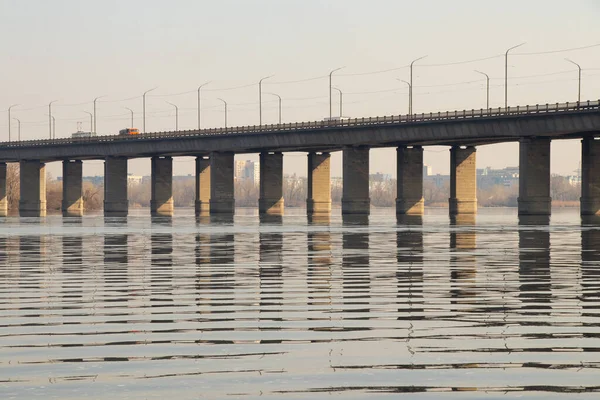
(3,198)
(318,275)
(409,167)
(115,187)
(590,259)
(463,180)
(116,258)
(409,276)
(72,203)
(356,280)
(161,262)
(355,190)
(318,200)
(534,176)
(161,202)
(221,183)
(202,185)
(590,176)
(33,189)
(270,273)
(534,263)
(271,184)
(463,265)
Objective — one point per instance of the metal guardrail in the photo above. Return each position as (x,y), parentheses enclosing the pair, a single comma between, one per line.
(587,106)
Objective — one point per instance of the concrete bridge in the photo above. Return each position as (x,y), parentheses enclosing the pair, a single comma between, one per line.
(533,126)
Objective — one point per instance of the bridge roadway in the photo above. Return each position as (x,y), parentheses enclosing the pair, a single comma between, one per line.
(533,126)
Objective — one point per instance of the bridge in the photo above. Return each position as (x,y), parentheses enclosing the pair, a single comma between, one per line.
(534,126)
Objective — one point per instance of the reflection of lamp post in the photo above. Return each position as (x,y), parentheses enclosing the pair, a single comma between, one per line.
(410,89)
(279,97)
(130,110)
(225,104)
(176,115)
(14,105)
(339,90)
(260,98)
(409,86)
(144,107)
(487,90)
(19,129)
(51,118)
(506,74)
(200,87)
(579,80)
(331,73)
(95,111)
(92,120)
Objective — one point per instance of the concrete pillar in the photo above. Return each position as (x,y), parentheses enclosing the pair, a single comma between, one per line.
(221,183)
(33,189)
(271,184)
(355,193)
(463,181)
(115,187)
(534,176)
(161,201)
(72,202)
(409,168)
(202,185)
(590,176)
(3,197)
(318,199)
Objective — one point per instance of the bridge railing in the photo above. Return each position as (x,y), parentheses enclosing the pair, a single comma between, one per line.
(587,106)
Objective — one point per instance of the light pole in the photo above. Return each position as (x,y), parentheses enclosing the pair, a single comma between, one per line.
(279,97)
(225,104)
(19,129)
(99,97)
(176,115)
(330,87)
(14,105)
(260,98)
(200,87)
(50,117)
(92,120)
(53,128)
(506,74)
(410,87)
(130,110)
(579,80)
(340,91)
(144,108)
(487,90)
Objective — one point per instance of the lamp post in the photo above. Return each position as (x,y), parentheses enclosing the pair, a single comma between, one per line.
(330,87)
(14,105)
(279,97)
(131,111)
(487,90)
(53,128)
(225,104)
(144,108)
(578,81)
(176,115)
(19,128)
(410,87)
(99,97)
(50,117)
(340,91)
(506,73)
(260,98)
(200,87)
(92,120)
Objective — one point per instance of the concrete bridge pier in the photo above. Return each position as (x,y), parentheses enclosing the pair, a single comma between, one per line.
(355,193)
(463,180)
(534,176)
(72,202)
(318,201)
(221,183)
(409,168)
(33,189)
(115,187)
(3,197)
(271,184)
(202,203)
(590,176)
(161,201)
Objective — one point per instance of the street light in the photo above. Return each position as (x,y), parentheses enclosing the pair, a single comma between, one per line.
(95,111)
(53,127)
(579,80)
(330,87)
(144,107)
(127,108)
(260,98)
(279,97)
(410,88)
(19,130)
(176,115)
(339,90)
(200,87)
(487,77)
(225,103)
(92,120)
(506,73)
(50,117)
(14,105)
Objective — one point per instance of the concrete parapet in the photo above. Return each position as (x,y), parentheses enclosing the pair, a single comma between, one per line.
(3,197)
(72,202)
(534,176)
(161,201)
(271,184)
(318,199)
(590,176)
(221,183)
(202,204)
(355,193)
(33,189)
(463,180)
(409,168)
(115,187)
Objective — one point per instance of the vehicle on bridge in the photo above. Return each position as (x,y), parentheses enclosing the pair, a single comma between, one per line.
(82,134)
(129,131)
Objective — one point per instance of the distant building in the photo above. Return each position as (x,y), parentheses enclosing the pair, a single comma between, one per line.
(438,180)
(247,170)
(379,177)
(487,177)
(427,170)
(133,180)
(95,180)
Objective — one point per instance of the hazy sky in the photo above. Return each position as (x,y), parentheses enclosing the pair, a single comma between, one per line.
(73,51)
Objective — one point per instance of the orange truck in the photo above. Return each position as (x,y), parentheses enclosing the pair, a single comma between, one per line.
(129,131)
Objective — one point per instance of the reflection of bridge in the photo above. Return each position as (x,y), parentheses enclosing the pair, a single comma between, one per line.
(532,126)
